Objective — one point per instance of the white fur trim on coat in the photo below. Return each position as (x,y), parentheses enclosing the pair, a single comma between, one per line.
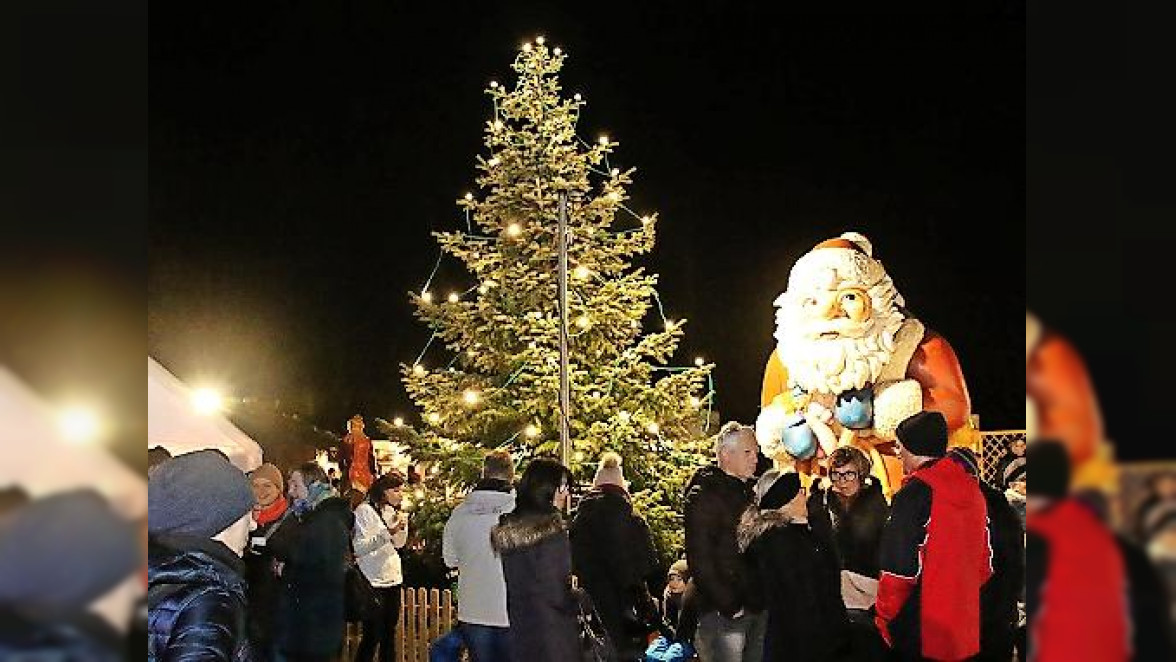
(895,402)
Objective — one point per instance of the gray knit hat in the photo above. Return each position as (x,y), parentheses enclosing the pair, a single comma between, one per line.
(198,494)
(62,552)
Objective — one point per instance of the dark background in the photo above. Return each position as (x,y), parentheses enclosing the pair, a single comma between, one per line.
(301,153)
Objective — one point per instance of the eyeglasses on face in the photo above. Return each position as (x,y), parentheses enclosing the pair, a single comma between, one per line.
(843,476)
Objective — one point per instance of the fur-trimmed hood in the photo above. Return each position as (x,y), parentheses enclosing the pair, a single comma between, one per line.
(514,533)
(755,523)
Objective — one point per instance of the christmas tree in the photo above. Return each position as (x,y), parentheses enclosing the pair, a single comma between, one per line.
(501,388)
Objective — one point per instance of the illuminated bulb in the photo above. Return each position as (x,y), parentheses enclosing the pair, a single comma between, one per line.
(527,47)
(79,424)
(635,324)
(493,162)
(579,456)
(581,272)
(427,296)
(398,422)
(596,394)
(406,504)
(471,353)
(434,470)
(514,229)
(419,494)
(471,397)
(582,321)
(434,418)
(453,298)
(694,401)
(604,140)
(469,196)
(539,40)
(616,171)
(698,361)
(557,50)
(497,125)
(653,428)
(623,416)
(614,196)
(493,83)
(532,431)
(483,289)
(418,370)
(206,401)
(670,324)
(577,96)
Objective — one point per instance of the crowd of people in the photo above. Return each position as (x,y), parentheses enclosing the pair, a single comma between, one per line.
(271,566)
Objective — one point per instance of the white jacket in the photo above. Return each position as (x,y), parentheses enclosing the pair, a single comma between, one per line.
(375,546)
(465,545)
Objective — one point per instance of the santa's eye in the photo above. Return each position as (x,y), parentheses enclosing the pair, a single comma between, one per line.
(809,302)
(849,298)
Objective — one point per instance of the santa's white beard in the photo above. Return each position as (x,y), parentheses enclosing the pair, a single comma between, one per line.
(836,365)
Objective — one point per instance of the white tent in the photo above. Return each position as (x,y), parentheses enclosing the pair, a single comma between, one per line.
(35,456)
(173,423)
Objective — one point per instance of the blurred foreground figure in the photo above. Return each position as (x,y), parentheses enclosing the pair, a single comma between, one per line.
(1090,596)
(68,580)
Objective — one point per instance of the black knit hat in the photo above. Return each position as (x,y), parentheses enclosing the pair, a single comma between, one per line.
(924,434)
(781,492)
(1051,469)
(198,494)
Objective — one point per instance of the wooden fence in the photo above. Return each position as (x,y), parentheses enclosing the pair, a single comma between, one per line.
(425,614)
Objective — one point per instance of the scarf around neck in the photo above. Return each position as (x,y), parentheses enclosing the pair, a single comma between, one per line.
(315,494)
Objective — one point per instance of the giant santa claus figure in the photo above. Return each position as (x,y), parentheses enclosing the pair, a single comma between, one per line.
(1061,405)
(850,364)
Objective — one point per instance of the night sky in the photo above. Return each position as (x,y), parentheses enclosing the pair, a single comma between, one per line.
(302,152)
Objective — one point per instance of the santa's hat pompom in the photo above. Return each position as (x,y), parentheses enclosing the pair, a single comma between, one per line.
(860,241)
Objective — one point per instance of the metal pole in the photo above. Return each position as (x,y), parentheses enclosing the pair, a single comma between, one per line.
(565,439)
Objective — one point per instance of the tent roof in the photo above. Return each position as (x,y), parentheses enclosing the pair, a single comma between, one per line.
(175,425)
(35,456)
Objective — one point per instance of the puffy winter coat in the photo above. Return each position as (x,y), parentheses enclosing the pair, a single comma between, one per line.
(612,555)
(81,638)
(537,565)
(714,503)
(313,550)
(196,596)
(797,575)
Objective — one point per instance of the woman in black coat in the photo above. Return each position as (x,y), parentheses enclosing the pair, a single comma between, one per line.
(612,554)
(312,552)
(796,574)
(537,566)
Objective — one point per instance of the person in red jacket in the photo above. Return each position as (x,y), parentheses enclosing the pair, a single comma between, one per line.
(1089,594)
(936,551)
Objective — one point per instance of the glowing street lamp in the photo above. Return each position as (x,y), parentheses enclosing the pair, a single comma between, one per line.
(207,401)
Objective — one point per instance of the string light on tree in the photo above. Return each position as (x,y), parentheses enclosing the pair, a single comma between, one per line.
(514,230)
(653,428)
(453,298)
(469,196)
(427,296)
(398,422)
(532,431)
(695,402)
(434,418)
(578,456)
(698,361)
(418,370)
(603,140)
(471,397)
(583,321)
(582,272)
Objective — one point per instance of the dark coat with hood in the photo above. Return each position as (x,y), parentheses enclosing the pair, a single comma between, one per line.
(197,601)
(537,567)
(797,576)
(612,555)
(313,549)
(714,503)
(856,531)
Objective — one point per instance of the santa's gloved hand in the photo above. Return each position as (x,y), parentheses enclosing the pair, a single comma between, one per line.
(798,439)
(855,408)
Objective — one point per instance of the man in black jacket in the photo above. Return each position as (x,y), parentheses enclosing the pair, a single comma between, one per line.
(612,554)
(730,625)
